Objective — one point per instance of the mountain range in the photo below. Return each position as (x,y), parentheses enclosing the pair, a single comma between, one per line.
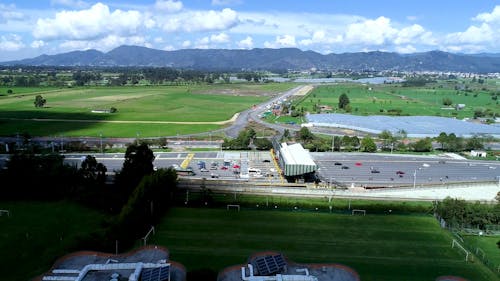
(269,59)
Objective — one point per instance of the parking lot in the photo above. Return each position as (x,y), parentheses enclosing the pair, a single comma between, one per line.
(373,170)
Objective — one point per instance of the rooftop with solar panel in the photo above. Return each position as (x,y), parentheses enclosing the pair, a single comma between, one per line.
(149,263)
(273,266)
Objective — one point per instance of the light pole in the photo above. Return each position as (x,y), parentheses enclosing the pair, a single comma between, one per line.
(414,179)
(100,135)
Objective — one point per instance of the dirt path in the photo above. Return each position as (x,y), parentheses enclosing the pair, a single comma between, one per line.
(235,116)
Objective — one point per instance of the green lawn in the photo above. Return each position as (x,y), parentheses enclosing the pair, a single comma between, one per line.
(195,103)
(378,247)
(36,234)
(488,244)
(378,99)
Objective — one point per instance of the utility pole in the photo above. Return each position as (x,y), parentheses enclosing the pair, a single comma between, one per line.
(333,142)
(414,179)
(100,134)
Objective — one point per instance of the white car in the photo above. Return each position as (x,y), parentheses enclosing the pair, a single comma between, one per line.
(426,165)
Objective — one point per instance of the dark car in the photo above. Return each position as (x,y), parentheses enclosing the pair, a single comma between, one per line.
(375,171)
(345,167)
(266,160)
(337,164)
(400,173)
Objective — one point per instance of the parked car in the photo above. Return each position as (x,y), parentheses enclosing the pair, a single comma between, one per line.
(266,160)
(375,171)
(203,170)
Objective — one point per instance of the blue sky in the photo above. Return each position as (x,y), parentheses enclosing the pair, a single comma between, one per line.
(31,28)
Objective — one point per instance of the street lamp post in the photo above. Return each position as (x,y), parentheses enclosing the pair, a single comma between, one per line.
(100,135)
(414,179)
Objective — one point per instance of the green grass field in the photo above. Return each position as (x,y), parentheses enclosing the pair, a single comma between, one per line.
(195,103)
(378,247)
(488,244)
(372,99)
(36,234)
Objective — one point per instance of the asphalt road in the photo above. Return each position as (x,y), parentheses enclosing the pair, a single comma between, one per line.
(395,170)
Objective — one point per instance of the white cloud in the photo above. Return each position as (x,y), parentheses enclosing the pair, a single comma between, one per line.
(406,49)
(94,23)
(104,44)
(282,41)
(186,44)
(226,2)
(9,12)
(246,43)
(474,34)
(476,37)
(11,42)
(168,48)
(409,34)
(370,32)
(219,38)
(168,6)
(70,3)
(158,40)
(494,16)
(37,44)
(412,18)
(194,21)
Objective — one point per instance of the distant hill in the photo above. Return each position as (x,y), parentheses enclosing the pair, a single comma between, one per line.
(269,59)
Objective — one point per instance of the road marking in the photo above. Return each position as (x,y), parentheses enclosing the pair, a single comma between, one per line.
(186,161)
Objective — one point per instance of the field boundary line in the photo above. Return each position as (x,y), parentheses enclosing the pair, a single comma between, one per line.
(235,116)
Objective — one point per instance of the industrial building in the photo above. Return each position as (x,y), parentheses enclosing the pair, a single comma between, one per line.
(295,161)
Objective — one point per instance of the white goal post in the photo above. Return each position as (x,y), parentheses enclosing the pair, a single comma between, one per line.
(145,238)
(455,243)
(229,206)
(7,212)
(358,211)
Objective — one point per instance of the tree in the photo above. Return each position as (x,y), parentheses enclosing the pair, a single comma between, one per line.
(387,139)
(305,135)
(343,101)
(447,101)
(262,144)
(138,163)
(368,145)
(423,145)
(474,143)
(442,139)
(39,101)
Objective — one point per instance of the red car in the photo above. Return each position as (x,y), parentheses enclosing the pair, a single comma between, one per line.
(236,166)
(358,164)
(223,168)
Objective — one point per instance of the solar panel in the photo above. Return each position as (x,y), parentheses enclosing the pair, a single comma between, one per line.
(155,274)
(268,265)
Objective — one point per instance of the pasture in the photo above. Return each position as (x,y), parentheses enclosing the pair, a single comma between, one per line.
(411,101)
(71,109)
(36,234)
(378,247)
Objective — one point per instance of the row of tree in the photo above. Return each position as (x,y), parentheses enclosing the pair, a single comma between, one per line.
(120,76)
(460,213)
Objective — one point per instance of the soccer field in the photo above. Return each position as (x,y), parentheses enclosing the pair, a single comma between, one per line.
(37,233)
(378,247)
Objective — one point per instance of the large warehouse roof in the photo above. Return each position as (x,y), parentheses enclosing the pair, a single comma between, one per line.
(295,160)
(415,126)
(295,154)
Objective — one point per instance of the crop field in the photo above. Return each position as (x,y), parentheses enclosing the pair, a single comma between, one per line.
(378,247)
(381,99)
(35,234)
(71,109)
